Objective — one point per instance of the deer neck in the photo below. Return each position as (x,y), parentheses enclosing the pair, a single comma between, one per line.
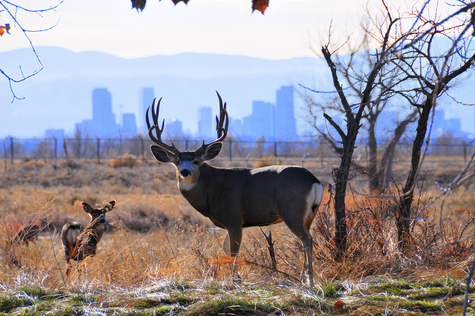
(197,192)
(99,230)
(94,231)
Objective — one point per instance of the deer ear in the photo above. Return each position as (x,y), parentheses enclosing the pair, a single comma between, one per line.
(87,208)
(212,151)
(161,154)
(110,206)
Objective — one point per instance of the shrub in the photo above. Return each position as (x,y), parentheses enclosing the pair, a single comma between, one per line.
(30,164)
(126,160)
(267,161)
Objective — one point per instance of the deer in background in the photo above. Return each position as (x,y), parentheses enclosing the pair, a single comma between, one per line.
(28,233)
(235,198)
(80,242)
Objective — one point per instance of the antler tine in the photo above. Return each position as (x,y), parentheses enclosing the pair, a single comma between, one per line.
(223,119)
(158,139)
(223,116)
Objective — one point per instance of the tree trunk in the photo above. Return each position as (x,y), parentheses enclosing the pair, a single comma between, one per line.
(403,217)
(341,177)
(385,166)
(374,179)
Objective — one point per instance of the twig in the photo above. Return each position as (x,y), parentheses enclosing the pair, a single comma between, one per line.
(270,246)
(54,254)
(469,280)
(168,241)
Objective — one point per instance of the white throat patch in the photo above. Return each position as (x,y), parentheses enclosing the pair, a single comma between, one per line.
(183,186)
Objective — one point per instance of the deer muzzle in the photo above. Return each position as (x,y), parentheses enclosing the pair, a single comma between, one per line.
(185,173)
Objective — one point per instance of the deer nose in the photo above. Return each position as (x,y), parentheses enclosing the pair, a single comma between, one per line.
(185,173)
(102,220)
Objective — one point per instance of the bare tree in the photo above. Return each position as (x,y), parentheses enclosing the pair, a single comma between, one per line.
(429,70)
(15,14)
(405,66)
(354,113)
(352,68)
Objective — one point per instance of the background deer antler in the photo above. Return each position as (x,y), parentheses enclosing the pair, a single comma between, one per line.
(158,139)
(222,120)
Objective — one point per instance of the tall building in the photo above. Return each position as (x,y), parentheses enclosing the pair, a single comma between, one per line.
(205,122)
(146,99)
(174,129)
(285,123)
(235,126)
(102,116)
(129,125)
(262,123)
(103,120)
(272,122)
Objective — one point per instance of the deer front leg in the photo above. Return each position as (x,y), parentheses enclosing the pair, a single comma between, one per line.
(231,245)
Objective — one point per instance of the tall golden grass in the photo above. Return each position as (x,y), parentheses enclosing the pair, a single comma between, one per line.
(156,235)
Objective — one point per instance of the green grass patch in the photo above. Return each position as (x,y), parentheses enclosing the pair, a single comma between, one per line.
(332,290)
(9,303)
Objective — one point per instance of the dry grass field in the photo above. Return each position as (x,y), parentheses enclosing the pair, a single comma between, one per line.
(158,256)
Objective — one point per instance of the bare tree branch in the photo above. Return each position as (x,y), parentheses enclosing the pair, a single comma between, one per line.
(12,9)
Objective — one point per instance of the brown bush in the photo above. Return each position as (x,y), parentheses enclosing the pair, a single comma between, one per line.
(126,160)
(267,161)
(30,164)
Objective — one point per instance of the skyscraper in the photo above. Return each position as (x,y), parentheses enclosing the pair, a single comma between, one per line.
(235,127)
(103,120)
(262,123)
(174,129)
(205,121)
(129,125)
(146,99)
(285,123)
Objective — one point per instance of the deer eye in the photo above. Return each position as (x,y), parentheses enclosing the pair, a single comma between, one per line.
(195,162)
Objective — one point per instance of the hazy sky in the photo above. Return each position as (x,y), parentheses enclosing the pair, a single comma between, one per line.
(288,29)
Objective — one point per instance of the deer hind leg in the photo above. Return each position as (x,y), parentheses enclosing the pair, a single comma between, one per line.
(307,272)
(299,223)
(303,234)
(314,199)
(69,266)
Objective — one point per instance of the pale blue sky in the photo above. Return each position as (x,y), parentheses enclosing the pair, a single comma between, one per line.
(288,29)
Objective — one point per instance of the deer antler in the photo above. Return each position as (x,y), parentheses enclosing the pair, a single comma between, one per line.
(158,139)
(223,117)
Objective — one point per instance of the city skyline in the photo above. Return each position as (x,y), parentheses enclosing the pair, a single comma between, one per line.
(261,123)
(185,82)
(268,121)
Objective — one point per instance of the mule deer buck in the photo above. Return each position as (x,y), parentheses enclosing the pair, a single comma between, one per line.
(80,242)
(235,198)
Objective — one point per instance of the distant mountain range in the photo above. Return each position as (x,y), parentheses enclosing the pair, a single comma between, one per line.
(61,94)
